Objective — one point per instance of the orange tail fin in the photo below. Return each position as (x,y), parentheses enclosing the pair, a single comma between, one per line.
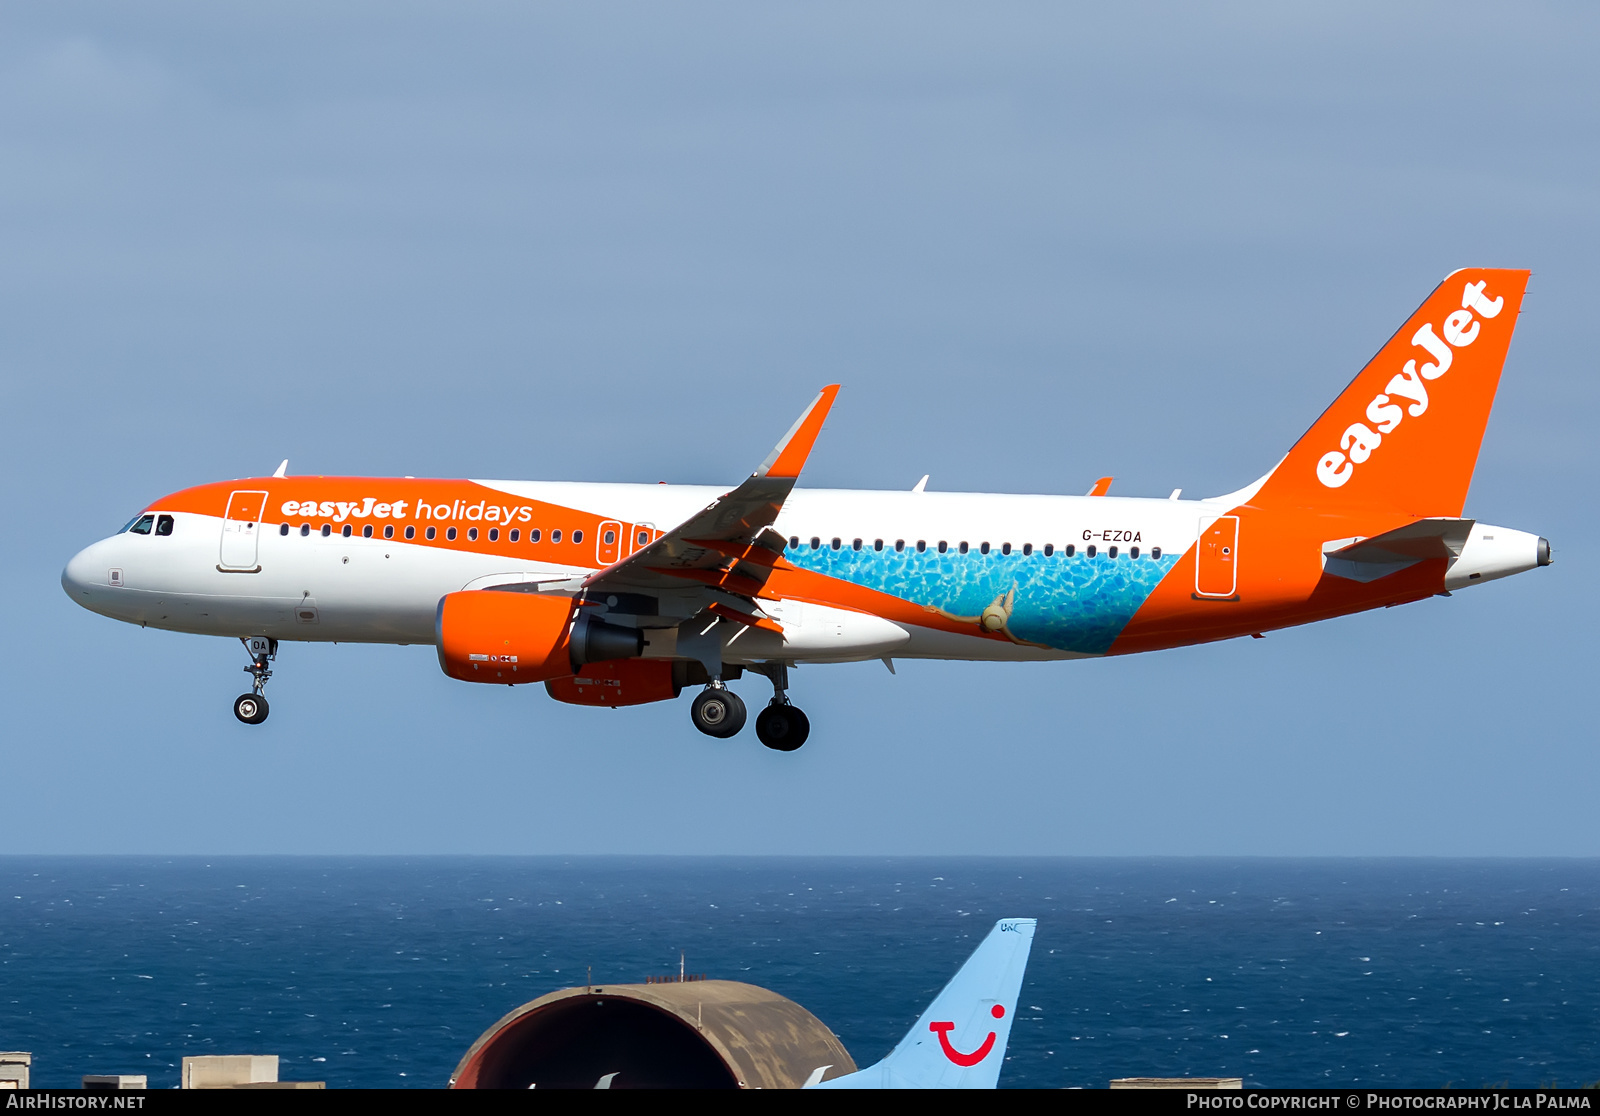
(1404,435)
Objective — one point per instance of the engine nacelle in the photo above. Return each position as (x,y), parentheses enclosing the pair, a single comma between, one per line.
(507,638)
(620,682)
(504,638)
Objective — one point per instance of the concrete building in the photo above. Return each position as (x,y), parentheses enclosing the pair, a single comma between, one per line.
(706,1034)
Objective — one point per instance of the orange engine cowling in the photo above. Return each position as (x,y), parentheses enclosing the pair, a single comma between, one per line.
(619,682)
(504,638)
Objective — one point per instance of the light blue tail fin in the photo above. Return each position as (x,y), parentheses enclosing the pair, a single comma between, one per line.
(960,1041)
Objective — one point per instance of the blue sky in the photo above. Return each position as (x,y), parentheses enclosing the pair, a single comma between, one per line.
(1037,244)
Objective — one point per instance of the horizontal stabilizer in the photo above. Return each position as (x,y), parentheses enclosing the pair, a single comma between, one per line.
(1367,559)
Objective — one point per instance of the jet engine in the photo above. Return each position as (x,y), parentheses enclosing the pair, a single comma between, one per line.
(504,638)
(508,638)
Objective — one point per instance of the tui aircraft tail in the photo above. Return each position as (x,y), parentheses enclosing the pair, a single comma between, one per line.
(1404,436)
(960,1041)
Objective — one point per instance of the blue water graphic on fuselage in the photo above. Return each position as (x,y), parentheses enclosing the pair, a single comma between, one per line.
(1069,604)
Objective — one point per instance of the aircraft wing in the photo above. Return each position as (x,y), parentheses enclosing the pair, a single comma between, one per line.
(1381,555)
(729,545)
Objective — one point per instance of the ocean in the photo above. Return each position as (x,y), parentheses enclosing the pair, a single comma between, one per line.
(380,972)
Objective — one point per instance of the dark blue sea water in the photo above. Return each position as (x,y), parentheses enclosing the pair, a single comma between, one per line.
(381,972)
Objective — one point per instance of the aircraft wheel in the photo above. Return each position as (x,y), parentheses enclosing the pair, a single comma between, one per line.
(782,728)
(250,708)
(717,713)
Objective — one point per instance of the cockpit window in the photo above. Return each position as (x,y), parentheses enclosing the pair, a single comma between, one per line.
(163,525)
(141,526)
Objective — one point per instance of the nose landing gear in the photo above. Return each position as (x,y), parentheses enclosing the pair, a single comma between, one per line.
(252,708)
(781,726)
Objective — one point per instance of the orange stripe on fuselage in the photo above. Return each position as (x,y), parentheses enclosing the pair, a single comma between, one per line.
(441,504)
(785,581)
(1281,582)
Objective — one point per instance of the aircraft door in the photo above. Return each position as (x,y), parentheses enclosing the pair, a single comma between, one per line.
(639,536)
(608,542)
(1216,567)
(240,529)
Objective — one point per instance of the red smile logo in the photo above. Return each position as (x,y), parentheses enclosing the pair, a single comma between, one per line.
(943,1031)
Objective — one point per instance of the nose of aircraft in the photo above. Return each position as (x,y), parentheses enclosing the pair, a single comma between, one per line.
(83,574)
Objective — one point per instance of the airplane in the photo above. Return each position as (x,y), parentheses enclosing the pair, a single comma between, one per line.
(960,1040)
(624,594)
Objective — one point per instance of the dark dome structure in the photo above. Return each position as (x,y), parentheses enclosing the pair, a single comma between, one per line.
(696,1034)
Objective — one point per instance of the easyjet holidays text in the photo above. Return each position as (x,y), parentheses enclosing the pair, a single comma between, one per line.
(370,507)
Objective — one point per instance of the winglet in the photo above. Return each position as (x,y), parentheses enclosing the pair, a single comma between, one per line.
(282,470)
(789,456)
(1101,487)
(960,1041)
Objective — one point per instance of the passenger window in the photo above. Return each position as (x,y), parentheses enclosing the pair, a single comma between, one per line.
(577,537)
(922,546)
(1090,551)
(1049,549)
(794,542)
(163,525)
(943,546)
(877,544)
(430,532)
(305,530)
(555,536)
(1027,549)
(327,529)
(1155,553)
(1112,553)
(143,525)
(610,537)
(534,535)
(835,543)
(963,548)
(283,530)
(899,545)
(388,530)
(450,534)
(366,531)
(983,548)
(1133,552)
(345,530)
(411,532)
(855,544)
(1072,549)
(472,534)
(515,535)
(816,543)
(494,534)
(1005,548)
(644,537)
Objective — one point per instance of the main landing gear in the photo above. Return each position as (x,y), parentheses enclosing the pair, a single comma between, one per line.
(717,711)
(252,708)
